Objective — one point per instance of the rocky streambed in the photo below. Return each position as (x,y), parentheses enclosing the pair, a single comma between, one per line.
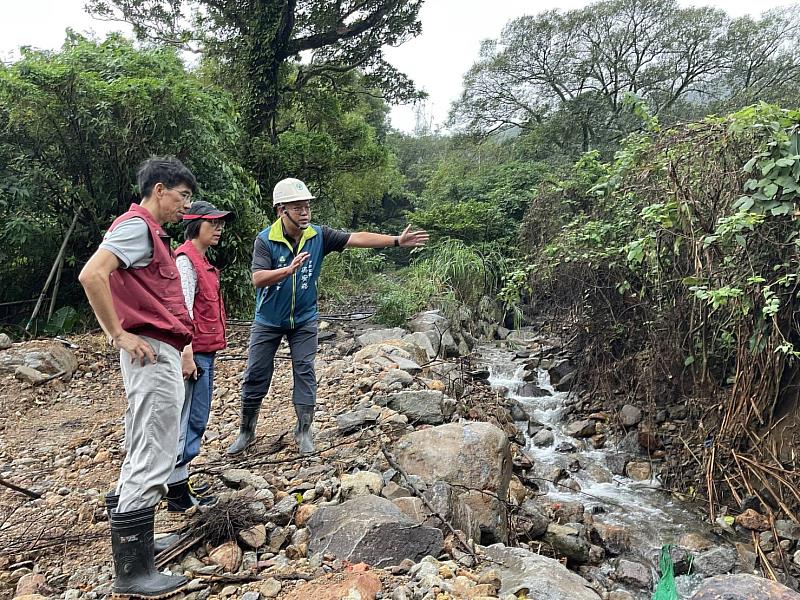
(430,482)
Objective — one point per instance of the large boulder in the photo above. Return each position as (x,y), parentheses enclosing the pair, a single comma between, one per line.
(422,340)
(390,352)
(420,406)
(450,505)
(536,576)
(373,530)
(375,336)
(743,586)
(48,359)
(438,329)
(471,456)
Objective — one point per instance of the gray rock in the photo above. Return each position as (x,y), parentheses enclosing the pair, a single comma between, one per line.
(567,541)
(51,359)
(433,323)
(447,503)
(531,520)
(437,453)
(531,389)
(371,529)
(29,375)
(361,483)
(422,340)
(420,406)
(633,573)
(250,596)
(517,411)
(5,341)
(536,576)
(544,438)
(560,370)
(565,383)
(351,421)
(405,364)
(375,336)
(617,462)
(240,478)
(581,429)
(630,415)
(282,512)
(399,376)
(787,530)
(743,587)
(502,332)
(716,561)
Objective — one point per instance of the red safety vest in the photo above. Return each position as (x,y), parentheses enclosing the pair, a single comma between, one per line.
(149,301)
(209,309)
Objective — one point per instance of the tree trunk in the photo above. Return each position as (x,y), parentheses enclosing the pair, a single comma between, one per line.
(265,53)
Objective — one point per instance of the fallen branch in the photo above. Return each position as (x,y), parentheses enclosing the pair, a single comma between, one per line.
(48,378)
(19,489)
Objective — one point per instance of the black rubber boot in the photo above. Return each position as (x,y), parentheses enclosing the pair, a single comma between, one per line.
(180,497)
(247,428)
(134,559)
(159,544)
(302,431)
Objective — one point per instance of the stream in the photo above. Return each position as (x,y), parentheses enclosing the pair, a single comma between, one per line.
(650,516)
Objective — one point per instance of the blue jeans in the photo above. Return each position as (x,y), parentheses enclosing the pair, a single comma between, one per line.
(194,415)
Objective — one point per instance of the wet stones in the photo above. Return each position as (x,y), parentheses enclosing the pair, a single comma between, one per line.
(638,471)
(567,540)
(716,561)
(630,416)
(543,438)
(751,519)
(581,429)
(633,573)
(743,587)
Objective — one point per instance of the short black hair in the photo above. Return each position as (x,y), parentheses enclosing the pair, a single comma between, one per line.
(163,169)
(193,229)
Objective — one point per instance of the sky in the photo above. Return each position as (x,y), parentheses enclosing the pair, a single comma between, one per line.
(452,31)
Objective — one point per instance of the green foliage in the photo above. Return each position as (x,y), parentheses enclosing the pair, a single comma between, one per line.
(690,232)
(75,124)
(346,274)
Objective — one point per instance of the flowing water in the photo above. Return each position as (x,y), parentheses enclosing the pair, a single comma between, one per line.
(649,515)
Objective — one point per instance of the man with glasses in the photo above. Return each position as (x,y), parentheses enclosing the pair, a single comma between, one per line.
(133,286)
(287,259)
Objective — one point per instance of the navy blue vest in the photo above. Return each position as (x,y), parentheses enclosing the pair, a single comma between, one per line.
(292,302)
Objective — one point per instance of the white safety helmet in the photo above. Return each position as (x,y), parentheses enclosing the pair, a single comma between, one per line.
(290,190)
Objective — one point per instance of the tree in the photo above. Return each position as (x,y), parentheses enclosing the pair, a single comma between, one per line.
(578,67)
(256,41)
(75,124)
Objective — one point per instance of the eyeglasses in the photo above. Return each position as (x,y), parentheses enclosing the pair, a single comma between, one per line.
(217,224)
(299,210)
(187,196)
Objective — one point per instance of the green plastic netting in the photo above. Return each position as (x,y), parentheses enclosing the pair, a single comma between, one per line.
(666,590)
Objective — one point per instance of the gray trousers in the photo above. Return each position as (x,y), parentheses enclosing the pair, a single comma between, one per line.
(155,394)
(264,342)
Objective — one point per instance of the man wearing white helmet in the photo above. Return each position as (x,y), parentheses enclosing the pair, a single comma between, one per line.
(287,259)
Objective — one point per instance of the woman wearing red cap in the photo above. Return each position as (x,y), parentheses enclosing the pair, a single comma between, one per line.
(201,290)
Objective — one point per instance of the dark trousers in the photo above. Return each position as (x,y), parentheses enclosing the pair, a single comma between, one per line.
(264,342)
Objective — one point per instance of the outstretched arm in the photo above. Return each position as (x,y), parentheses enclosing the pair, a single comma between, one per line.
(407,239)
